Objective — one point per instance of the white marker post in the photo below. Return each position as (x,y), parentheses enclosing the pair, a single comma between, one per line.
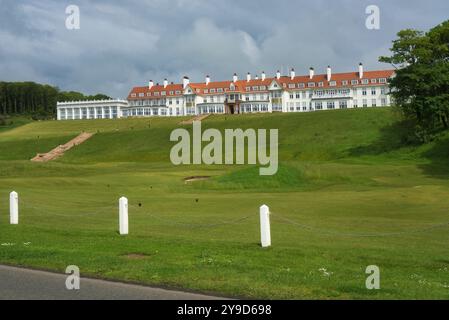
(265,234)
(123,215)
(14,207)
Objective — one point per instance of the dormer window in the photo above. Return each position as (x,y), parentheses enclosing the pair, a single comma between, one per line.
(163,93)
(333,83)
(248,89)
(382,80)
(354,82)
(365,81)
(148,94)
(263,88)
(373,81)
(345,82)
(178,92)
(206,91)
(320,84)
(212,90)
(291,86)
(133,95)
(311,84)
(141,94)
(301,85)
(171,93)
(220,90)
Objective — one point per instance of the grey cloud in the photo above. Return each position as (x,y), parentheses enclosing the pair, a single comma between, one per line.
(126,43)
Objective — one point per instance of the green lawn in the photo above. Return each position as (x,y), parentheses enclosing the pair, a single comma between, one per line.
(349,193)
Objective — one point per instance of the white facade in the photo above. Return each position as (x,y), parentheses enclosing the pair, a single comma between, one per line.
(84,110)
(311,92)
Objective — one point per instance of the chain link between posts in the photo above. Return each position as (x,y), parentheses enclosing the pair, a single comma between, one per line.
(352,234)
(273,215)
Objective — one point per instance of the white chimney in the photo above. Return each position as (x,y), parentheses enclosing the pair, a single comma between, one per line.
(292,74)
(150,84)
(248,77)
(278,75)
(185,82)
(207,80)
(263,75)
(360,70)
(329,73)
(165,83)
(311,73)
(235,78)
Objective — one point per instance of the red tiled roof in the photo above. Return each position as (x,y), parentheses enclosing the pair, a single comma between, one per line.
(241,85)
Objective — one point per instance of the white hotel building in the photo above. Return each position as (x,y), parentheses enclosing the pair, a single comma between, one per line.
(278,94)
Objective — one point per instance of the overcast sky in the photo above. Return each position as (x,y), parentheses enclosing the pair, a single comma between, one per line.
(121,44)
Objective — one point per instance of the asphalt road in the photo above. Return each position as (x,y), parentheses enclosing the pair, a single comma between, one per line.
(20,284)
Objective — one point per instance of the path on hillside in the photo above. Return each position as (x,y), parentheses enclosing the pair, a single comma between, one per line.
(59,150)
(19,284)
(200,117)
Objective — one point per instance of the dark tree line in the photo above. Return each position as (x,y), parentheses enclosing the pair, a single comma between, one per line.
(36,99)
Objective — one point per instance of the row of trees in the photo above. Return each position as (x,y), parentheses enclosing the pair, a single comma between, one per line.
(421,85)
(36,99)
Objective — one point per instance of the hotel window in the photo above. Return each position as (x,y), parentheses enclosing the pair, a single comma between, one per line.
(107,113)
(255,88)
(141,94)
(383,90)
(382,80)
(320,84)
(355,103)
(247,97)
(374,103)
(63,114)
(311,84)
(69,114)
(156,93)
(373,81)
(344,82)
(298,95)
(373,91)
(220,90)
(304,94)
(91,113)
(263,88)
(343,104)
(212,90)
(133,95)
(177,92)
(301,85)
(365,103)
(365,81)
(171,93)
(291,95)
(333,83)
(114,112)
(364,91)
(383,101)
(148,94)
(354,82)
(331,105)
(163,93)
(291,86)
(99,113)
(319,105)
(76,114)
(84,113)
